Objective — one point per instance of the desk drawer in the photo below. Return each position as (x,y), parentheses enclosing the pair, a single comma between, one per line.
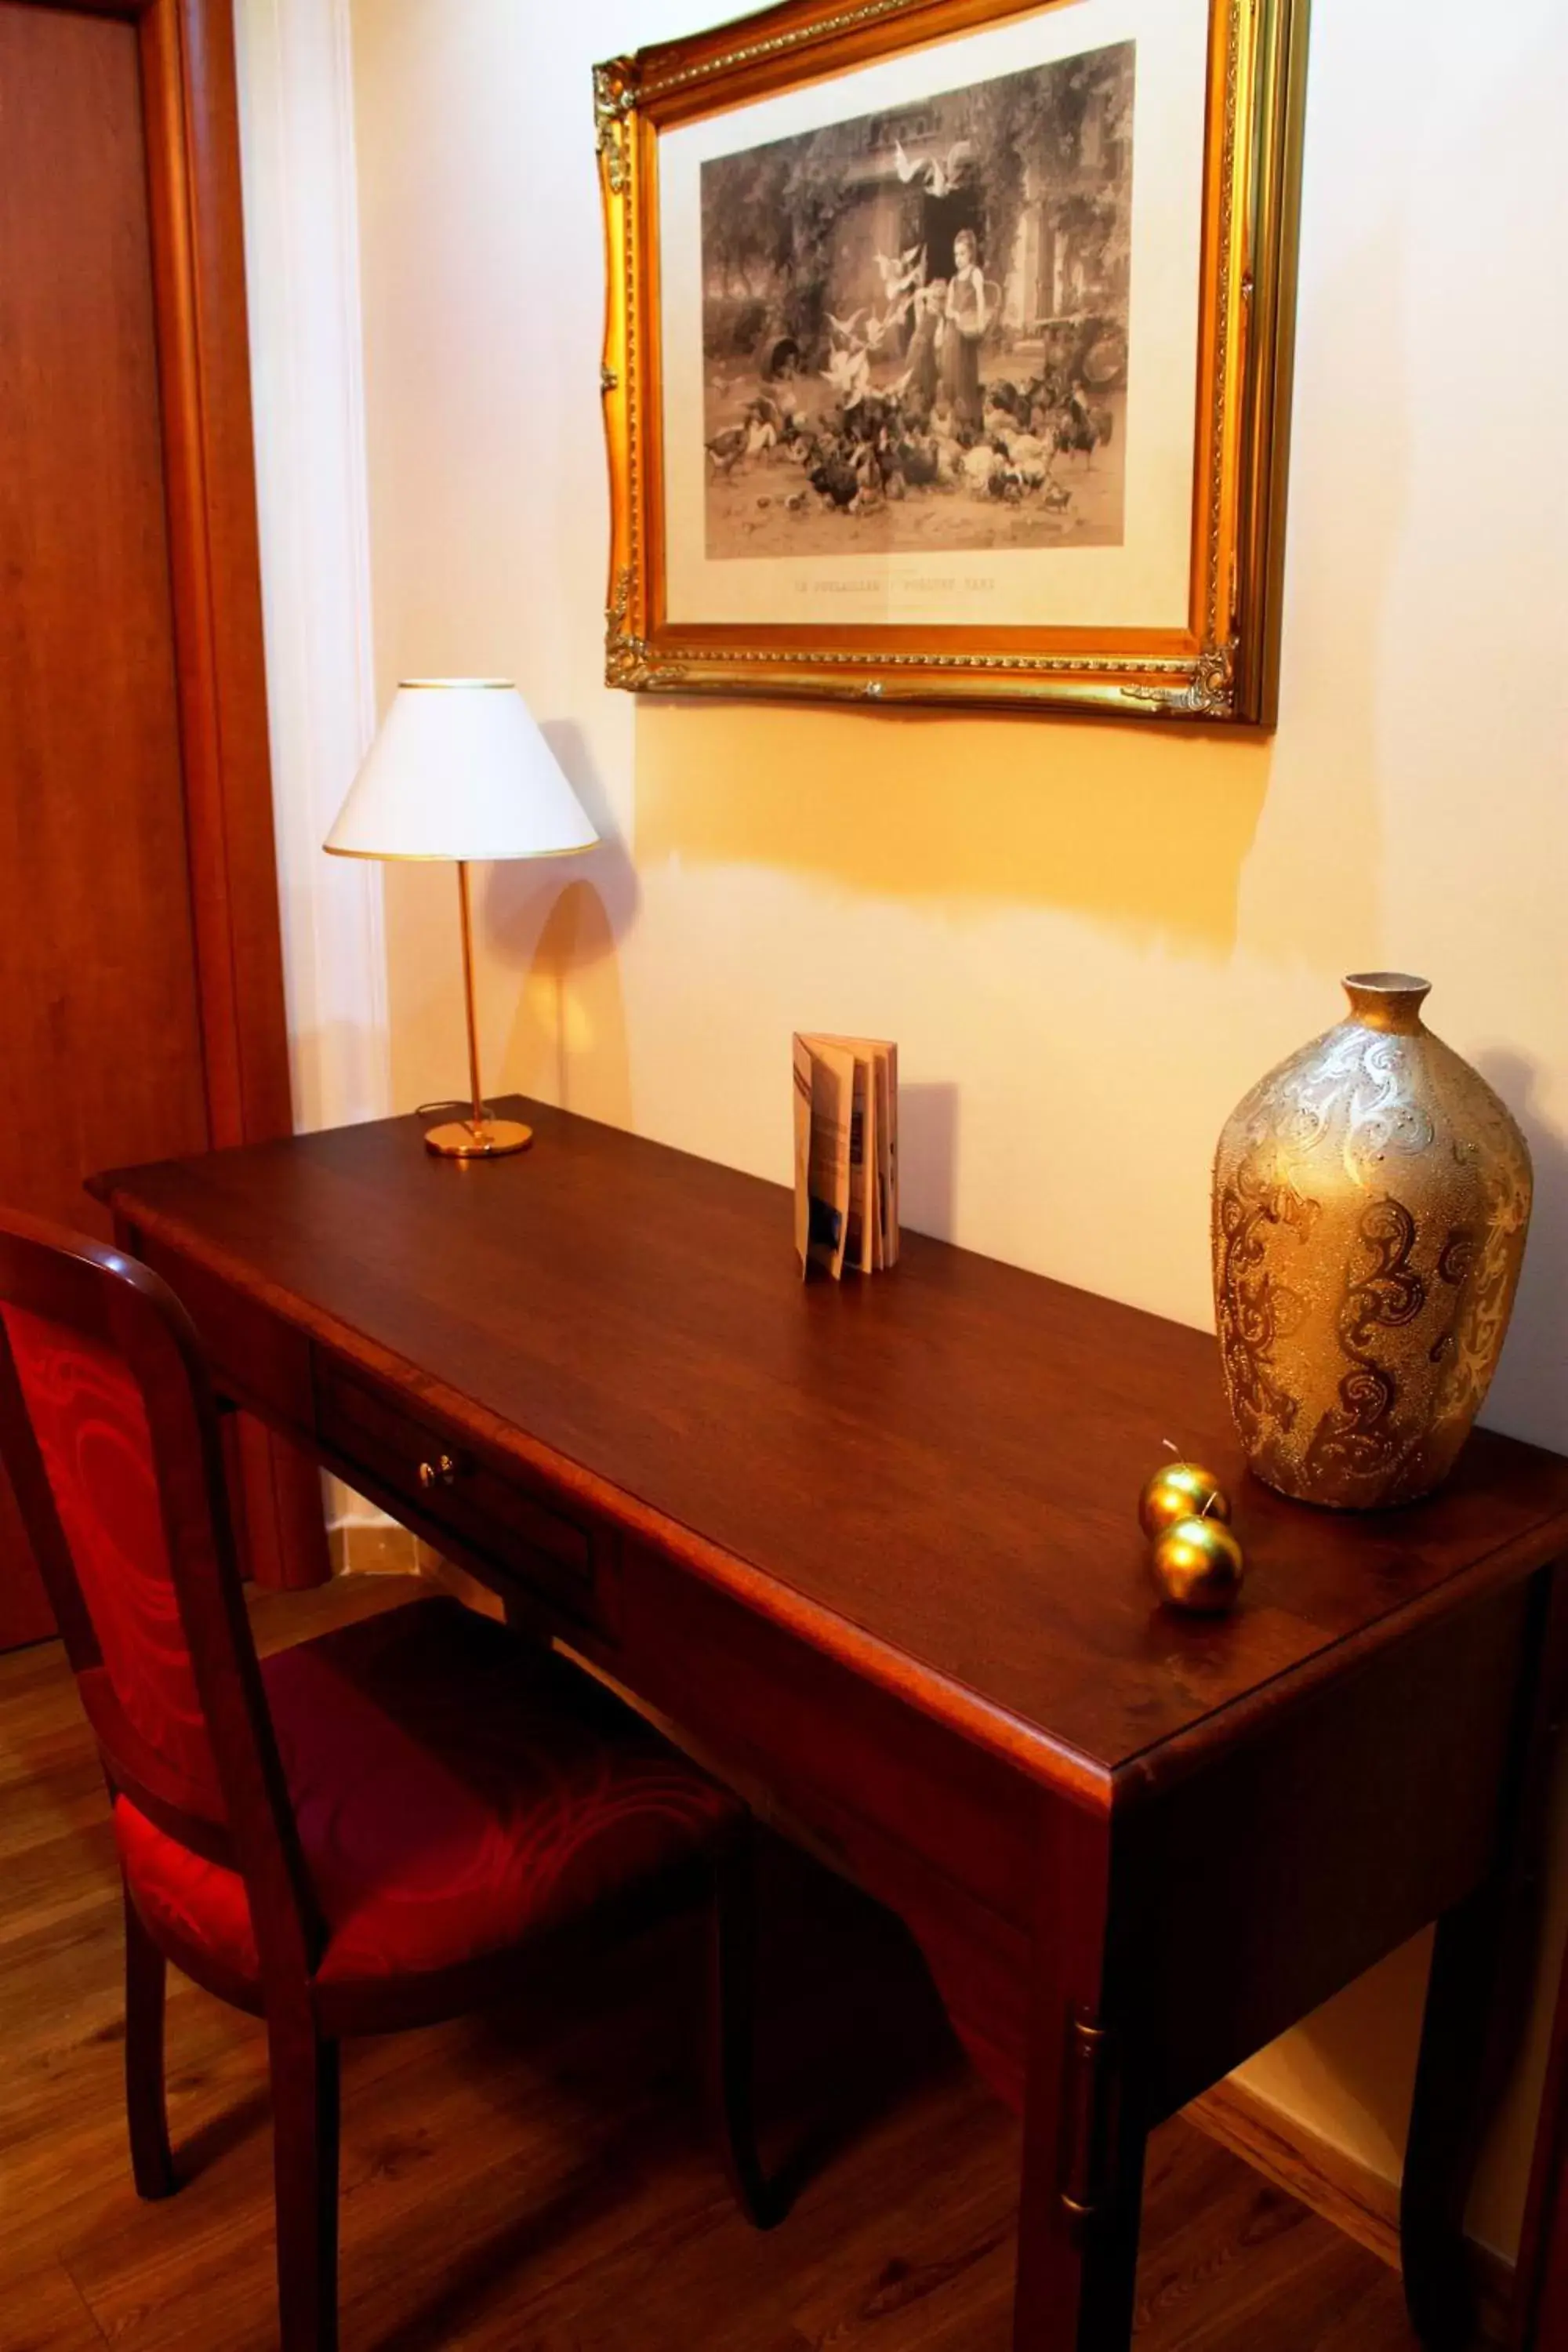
(446,1485)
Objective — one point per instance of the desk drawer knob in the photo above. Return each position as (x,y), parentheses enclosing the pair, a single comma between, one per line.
(442,1472)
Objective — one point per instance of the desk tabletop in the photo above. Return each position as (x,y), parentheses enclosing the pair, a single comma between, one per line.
(947,1457)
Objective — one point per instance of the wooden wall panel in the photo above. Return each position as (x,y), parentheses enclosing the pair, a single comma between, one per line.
(141,970)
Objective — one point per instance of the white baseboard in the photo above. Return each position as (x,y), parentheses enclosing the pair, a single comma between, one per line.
(373,1547)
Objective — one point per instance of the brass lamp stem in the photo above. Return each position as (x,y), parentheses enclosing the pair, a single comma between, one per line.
(466,913)
(476,1137)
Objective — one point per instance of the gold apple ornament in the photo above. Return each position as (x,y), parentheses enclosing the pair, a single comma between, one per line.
(1197,1562)
(1199,1566)
(1181,1490)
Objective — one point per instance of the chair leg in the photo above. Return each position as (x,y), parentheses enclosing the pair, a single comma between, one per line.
(305,2102)
(151,2164)
(732,2032)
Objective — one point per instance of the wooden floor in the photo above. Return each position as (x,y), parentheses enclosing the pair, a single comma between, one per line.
(536,2180)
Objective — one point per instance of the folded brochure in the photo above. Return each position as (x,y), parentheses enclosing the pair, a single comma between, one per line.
(846,1154)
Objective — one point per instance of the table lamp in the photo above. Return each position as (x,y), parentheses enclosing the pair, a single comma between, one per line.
(460,770)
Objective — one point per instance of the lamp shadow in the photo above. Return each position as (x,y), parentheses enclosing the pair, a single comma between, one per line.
(1194,839)
(560,927)
(928,1157)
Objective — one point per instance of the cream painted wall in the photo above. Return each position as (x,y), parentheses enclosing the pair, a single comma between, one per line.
(302,240)
(307,356)
(1088,940)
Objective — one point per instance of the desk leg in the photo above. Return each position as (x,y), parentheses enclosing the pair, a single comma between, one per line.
(1447,2120)
(1477,2004)
(280,1520)
(1084,2124)
(1077,2260)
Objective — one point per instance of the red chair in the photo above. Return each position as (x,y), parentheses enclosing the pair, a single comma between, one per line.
(365,1833)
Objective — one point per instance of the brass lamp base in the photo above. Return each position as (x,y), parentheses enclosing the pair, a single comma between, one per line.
(477,1138)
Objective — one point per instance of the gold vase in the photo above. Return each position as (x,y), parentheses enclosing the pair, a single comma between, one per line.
(1371,1201)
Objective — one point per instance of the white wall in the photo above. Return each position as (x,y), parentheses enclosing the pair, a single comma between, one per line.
(1088,940)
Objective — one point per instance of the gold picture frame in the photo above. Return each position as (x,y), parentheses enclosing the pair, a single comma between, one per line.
(1217,660)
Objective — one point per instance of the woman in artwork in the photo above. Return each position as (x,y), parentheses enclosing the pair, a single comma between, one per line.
(925,343)
(966,322)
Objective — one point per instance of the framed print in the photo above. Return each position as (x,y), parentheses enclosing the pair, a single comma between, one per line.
(947,353)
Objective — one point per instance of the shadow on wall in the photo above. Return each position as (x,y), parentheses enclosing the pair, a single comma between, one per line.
(1362,2045)
(1171,836)
(928,1158)
(1530,1395)
(1314,888)
(560,926)
(1083,814)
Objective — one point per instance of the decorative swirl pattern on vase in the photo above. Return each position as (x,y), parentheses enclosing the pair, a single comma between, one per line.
(1356,1087)
(1480,1267)
(1458,1254)
(1257,1309)
(1371,1198)
(1359,1437)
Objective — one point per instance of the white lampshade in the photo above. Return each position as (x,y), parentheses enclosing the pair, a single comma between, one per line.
(459,770)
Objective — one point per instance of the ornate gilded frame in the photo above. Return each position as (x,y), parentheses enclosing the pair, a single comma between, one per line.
(1224,666)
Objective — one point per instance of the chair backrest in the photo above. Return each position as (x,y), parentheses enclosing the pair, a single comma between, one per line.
(109,1434)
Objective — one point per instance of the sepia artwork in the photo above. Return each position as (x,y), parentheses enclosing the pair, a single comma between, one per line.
(948,352)
(915,322)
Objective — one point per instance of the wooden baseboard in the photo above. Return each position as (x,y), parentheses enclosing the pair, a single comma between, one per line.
(1323,2178)
(1351,2195)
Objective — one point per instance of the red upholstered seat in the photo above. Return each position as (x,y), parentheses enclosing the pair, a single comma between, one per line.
(456,1792)
(364,1833)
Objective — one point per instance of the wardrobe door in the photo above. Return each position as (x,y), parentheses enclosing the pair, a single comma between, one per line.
(141,1002)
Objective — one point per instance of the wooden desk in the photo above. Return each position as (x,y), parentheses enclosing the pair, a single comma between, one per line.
(1541,2299)
(876,1546)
